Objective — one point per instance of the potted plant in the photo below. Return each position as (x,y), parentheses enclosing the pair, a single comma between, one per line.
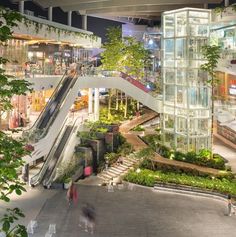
(67,182)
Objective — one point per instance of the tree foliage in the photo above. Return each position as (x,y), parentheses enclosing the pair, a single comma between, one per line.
(211,53)
(124,54)
(11,150)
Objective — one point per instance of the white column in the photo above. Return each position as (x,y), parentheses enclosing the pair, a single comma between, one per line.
(96,104)
(90,100)
(226,3)
(69,18)
(50,13)
(21,6)
(84,22)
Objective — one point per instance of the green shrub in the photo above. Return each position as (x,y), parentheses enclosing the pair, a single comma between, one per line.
(138,129)
(142,178)
(149,177)
(203,157)
(125,149)
(111,157)
(155,165)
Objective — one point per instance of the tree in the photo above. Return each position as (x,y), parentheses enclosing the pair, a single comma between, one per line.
(211,54)
(125,55)
(11,150)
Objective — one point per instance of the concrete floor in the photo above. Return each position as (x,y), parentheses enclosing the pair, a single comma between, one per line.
(226,151)
(138,213)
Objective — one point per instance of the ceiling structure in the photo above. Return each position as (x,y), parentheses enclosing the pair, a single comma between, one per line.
(123,9)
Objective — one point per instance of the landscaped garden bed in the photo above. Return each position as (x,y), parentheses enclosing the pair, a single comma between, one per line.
(149,178)
(203,158)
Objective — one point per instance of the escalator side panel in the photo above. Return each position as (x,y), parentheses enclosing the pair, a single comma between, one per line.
(57,154)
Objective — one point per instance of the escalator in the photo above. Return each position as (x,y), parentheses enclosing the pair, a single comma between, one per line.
(55,160)
(53,157)
(51,109)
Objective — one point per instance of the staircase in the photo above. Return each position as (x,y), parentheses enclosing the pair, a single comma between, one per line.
(116,171)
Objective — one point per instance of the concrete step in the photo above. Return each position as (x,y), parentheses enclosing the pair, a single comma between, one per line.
(105,176)
(124,166)
(114,171)
(118,169)
(128,163)
(131,159)
(110,173)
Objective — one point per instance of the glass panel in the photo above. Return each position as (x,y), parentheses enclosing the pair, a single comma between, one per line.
(169,122)
(198,14)
(181,96)
(169,49)
(182,144)
(169,94)
(181,126)
(169,26)
(181,77)
(169,140)
(181,22)
(169,76)
(199,30)
(180,48)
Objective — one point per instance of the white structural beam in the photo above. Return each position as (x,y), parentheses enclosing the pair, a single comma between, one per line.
(96,104)
(111,3)
(21,6)
(137,9)
(50,13)
(226,3)
(90,100)
(84,22)
(69,18)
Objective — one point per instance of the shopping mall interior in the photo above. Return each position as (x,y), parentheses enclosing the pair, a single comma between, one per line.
(128,124)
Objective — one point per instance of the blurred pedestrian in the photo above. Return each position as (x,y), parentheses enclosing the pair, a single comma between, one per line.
(83,219)
(230,206)
(72,194)
(91,218)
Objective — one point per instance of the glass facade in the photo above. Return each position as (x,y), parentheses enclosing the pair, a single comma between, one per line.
(186,95)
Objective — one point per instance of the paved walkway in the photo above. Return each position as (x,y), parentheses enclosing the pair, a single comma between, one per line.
(226,151)
(141,212)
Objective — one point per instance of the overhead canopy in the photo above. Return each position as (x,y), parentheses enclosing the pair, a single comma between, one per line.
(148,9)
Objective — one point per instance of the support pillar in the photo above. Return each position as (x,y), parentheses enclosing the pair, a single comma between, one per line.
(96,104)
(22,7)
(226,3)
(50,13)
(205,5)
(90,100)
(69,18)
(84,22)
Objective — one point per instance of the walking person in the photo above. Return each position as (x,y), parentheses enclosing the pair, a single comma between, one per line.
(230,206)
(83,219)
(72,194)
(91,218)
